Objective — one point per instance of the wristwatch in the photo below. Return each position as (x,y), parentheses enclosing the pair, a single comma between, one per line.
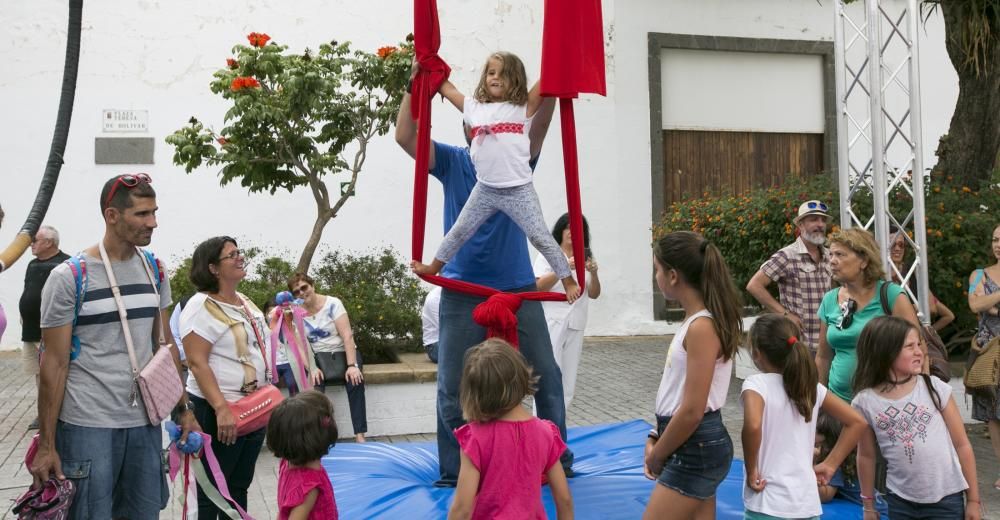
(355,365)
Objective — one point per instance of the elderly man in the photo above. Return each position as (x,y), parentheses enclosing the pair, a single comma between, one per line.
(802,270)
(45,248)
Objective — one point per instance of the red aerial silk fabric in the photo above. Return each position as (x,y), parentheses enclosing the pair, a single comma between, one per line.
(498,312)
(573,49)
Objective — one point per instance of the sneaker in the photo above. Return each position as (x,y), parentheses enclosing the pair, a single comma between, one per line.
(34,424)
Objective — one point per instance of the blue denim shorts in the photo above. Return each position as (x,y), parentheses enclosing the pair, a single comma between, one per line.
(117,472)
(950,507)
(700,464)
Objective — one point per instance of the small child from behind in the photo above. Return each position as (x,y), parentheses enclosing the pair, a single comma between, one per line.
(844,483)
(931,469)
(300,432)
(781,405)
(505,450)
(499,117)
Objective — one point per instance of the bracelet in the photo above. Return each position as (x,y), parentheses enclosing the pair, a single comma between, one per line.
(870,510)
(865,497)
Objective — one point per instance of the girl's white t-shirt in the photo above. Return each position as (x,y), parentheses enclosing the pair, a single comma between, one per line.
(923,465)
(785,459)
(671,391)
(321,328)
(223,360)
(573,316)
(501,149)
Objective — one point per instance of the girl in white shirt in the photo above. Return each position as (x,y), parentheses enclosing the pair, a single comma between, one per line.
(690,451)
(779,425)
(498,117)
(931,468)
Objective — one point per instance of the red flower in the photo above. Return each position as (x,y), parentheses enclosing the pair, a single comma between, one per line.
(243,82)
(258,39)
(231,63)
(385,52)
(222,141)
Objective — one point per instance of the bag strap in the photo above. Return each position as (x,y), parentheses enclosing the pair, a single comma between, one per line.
(123,315)
(883,294)
(260,338)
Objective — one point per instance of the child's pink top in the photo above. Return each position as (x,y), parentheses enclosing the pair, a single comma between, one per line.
(295,483)
(511,457)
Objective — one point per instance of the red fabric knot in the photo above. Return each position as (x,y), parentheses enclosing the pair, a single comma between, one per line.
(792,340)
(499,315)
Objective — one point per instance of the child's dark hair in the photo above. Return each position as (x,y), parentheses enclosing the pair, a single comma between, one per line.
(702,266)
(878,346)
(495,379)
(302,428)
(562,224)
(830,429)
(775,337)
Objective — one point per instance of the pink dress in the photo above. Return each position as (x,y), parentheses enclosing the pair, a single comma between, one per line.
(295,483)
(512,457)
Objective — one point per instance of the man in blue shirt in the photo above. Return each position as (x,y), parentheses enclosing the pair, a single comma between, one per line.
(496,256)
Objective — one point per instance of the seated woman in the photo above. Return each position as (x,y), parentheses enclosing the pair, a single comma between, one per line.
(225,339)
(329,330)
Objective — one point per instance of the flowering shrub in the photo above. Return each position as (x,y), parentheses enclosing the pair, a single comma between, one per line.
(750,228)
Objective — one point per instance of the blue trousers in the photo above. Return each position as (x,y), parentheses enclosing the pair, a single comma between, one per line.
(458,333)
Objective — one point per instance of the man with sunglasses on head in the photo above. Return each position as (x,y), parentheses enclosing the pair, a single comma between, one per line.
(94,429)
(802,271)
(45,248)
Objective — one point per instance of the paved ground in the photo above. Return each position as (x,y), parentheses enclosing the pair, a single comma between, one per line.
(617,382)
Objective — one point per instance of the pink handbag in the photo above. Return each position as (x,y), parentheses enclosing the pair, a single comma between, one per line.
(158,382)
(253,411)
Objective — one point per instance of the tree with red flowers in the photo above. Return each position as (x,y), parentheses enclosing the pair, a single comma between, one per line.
(296,119)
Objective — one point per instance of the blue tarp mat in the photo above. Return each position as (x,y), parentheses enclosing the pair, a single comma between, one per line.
(376,480)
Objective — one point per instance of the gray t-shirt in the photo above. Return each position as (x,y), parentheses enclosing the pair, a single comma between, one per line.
(99,381)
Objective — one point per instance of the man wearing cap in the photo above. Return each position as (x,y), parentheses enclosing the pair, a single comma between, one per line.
(802,270)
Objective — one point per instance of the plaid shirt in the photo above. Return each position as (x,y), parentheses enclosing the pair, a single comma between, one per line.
(801,284)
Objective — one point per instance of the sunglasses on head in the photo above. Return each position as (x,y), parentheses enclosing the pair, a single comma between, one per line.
(128,180)
(848,308)
(812,204)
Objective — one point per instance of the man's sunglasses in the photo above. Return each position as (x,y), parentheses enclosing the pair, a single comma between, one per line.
(848,308)
(128,180)
(813,204)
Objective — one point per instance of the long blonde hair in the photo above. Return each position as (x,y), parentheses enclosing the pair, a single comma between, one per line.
(513,75)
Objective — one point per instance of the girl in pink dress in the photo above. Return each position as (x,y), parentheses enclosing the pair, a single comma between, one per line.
(301,431)
(506,451)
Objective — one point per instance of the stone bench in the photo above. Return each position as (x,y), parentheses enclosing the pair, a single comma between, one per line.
(401,398)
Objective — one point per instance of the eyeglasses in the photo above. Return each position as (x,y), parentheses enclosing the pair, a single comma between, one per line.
(300,289)
(129,181)
(813,204)
(847,310)
(232,256)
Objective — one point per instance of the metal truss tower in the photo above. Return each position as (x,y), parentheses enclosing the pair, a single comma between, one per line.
(880,149)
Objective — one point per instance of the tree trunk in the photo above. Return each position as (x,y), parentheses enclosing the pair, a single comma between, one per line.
(59,137)
(971,150)
(322,217)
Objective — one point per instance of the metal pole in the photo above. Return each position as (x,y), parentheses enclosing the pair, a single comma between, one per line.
(916,137)
(843,124)
(877,132)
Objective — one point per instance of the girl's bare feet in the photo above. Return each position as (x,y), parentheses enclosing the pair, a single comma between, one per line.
(572,289)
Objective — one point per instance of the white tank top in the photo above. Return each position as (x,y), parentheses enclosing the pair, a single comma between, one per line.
(671,392)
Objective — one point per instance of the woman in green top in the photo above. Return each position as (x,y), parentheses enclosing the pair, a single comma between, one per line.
(856,265)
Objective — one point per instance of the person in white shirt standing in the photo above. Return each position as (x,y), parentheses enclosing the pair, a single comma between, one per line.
(430,318)
(567,322)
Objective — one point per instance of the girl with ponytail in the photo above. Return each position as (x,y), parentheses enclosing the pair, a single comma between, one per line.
(780,406)
(690,451)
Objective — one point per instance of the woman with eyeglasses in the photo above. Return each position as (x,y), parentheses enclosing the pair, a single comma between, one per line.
(940,312)
(329,333)
(226,341)
(856,264)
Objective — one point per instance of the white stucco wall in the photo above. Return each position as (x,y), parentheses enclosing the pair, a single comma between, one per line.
(159,56)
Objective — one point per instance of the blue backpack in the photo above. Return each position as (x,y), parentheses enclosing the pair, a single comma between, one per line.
(78,266)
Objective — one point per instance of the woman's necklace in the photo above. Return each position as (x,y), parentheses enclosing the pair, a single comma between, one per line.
(889,385)
(233,300)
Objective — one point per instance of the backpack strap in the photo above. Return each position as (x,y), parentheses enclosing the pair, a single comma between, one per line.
(78,266)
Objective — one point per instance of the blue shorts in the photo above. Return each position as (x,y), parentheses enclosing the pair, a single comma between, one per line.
(950,507)
(117,472)
(700,464)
